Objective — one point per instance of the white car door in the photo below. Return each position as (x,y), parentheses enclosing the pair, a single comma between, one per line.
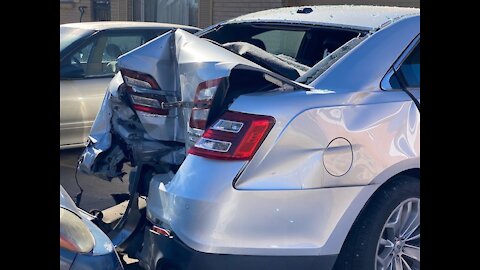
(80,100)
(84,80)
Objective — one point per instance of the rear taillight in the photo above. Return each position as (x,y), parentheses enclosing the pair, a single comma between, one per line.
(235,136)
(202,103)
(134,78)
(137,83)
(161,231)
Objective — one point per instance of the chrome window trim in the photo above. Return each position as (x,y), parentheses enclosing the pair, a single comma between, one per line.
(385,82)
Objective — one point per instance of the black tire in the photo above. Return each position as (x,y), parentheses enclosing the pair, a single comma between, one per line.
(360,248)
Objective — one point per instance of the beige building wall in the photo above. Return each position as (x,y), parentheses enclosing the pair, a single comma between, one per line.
(205,13)
(120,10)
(227,9)
(212,11)
(69,11)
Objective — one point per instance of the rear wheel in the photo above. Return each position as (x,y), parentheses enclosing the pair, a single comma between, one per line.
(387,234)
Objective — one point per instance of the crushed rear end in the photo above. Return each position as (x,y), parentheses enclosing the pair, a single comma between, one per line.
(167,93)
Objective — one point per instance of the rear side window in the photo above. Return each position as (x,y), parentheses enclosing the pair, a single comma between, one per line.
(118,45)
(409,71)
(98,58)
(82,54)
(281,41)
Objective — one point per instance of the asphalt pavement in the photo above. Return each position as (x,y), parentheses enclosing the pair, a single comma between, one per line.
(97,193)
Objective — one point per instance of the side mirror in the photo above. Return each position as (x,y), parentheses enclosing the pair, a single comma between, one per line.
(71,72)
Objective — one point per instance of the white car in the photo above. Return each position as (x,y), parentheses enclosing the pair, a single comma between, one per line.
(88,57)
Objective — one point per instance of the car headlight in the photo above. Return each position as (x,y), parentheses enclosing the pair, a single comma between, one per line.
(74,234)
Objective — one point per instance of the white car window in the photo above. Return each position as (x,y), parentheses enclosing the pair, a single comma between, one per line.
(82,54)
(281,41)
(98,58)
(116,46)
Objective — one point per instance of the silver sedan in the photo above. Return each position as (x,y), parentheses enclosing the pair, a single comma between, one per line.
(283,139)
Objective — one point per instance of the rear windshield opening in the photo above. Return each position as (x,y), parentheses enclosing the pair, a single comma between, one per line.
(288,50)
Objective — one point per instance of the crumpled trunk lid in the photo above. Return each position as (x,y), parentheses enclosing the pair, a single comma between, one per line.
(179,62)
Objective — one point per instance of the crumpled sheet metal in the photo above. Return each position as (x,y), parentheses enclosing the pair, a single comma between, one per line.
(100,138)
(179,62)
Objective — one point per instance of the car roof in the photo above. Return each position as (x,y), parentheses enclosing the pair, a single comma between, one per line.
(350,16)
(104,25)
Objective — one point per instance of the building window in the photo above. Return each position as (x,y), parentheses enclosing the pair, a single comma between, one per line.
(101,10)
(170,11)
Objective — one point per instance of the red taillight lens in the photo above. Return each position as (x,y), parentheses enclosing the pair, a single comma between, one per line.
(202,102)
(235,136)
(145,102)
(161,231)
(134,78)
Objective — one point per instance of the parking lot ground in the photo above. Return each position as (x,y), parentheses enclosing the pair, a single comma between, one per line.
(97,193)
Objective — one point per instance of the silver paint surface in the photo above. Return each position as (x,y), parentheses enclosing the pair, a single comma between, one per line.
(283,201)
(174,61)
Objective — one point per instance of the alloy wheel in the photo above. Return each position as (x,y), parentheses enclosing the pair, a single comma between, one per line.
(398,247)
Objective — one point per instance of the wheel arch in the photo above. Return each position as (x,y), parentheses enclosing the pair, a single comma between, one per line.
(411,172)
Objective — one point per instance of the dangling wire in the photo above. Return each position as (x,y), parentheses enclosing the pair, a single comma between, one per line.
(78,197)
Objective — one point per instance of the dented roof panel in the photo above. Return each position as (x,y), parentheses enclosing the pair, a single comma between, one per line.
(357,17)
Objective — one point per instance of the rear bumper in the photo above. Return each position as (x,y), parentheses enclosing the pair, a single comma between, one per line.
(172,254)
(209,215)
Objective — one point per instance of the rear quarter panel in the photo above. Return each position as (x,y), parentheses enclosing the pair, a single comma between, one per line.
(383,129)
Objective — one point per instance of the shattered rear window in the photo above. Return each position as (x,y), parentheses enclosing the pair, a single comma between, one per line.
(328,61)
(297,46)
(281,42)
